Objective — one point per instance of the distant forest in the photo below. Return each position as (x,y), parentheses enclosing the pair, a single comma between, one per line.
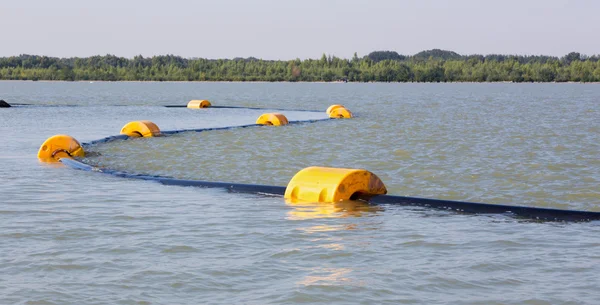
(380,66)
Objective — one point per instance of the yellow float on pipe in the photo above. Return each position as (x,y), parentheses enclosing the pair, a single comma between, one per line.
(138,129)
(328,111)
(326,184)
(199,104)
(60,146)
(275,119)
(340,113)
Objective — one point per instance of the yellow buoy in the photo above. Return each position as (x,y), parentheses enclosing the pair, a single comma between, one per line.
(144,129)
(275,119)
(340,113)
(60,146)
(326,184)
(328,111)
(198,104)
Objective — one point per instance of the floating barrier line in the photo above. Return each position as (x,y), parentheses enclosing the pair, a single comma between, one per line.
(251,108)
(170,106)
(233,187)
(312,184)
(68,105)
(171,132)
(546,214)
(51,106)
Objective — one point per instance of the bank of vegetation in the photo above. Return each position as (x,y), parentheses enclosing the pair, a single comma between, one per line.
(380,66)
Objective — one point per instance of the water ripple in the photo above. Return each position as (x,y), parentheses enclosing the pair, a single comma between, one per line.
(72,237)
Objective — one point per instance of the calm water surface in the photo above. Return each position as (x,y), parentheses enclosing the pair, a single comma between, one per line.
(71,237)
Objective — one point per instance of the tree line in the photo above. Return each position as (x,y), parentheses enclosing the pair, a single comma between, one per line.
(379,66)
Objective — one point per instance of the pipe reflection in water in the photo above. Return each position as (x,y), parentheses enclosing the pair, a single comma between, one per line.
(341,209)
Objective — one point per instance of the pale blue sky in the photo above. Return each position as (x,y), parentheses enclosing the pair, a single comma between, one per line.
(272,29)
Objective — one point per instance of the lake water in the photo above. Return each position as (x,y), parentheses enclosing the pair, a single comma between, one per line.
(74,237)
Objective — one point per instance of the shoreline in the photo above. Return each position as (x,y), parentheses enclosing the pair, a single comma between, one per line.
(299,82)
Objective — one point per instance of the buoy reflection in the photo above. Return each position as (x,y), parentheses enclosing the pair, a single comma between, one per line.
(341,209)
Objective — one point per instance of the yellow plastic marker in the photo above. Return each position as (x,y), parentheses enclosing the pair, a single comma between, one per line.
(138,129)
(326,184)
(340,113)
(328,111)
(60,146)
(199,104)
(275,119)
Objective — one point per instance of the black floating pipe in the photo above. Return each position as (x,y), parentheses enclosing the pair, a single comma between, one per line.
(233,187)
(457,206)
(242,107)
(172,132)
(7,105)
(486,208)
(109,139)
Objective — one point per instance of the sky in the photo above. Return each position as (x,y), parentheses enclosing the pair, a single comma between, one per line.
(289,29)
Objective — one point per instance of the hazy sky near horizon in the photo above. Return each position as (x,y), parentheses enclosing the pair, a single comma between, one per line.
(280,29)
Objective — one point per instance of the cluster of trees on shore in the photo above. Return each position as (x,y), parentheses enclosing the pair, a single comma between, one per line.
(380,66)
